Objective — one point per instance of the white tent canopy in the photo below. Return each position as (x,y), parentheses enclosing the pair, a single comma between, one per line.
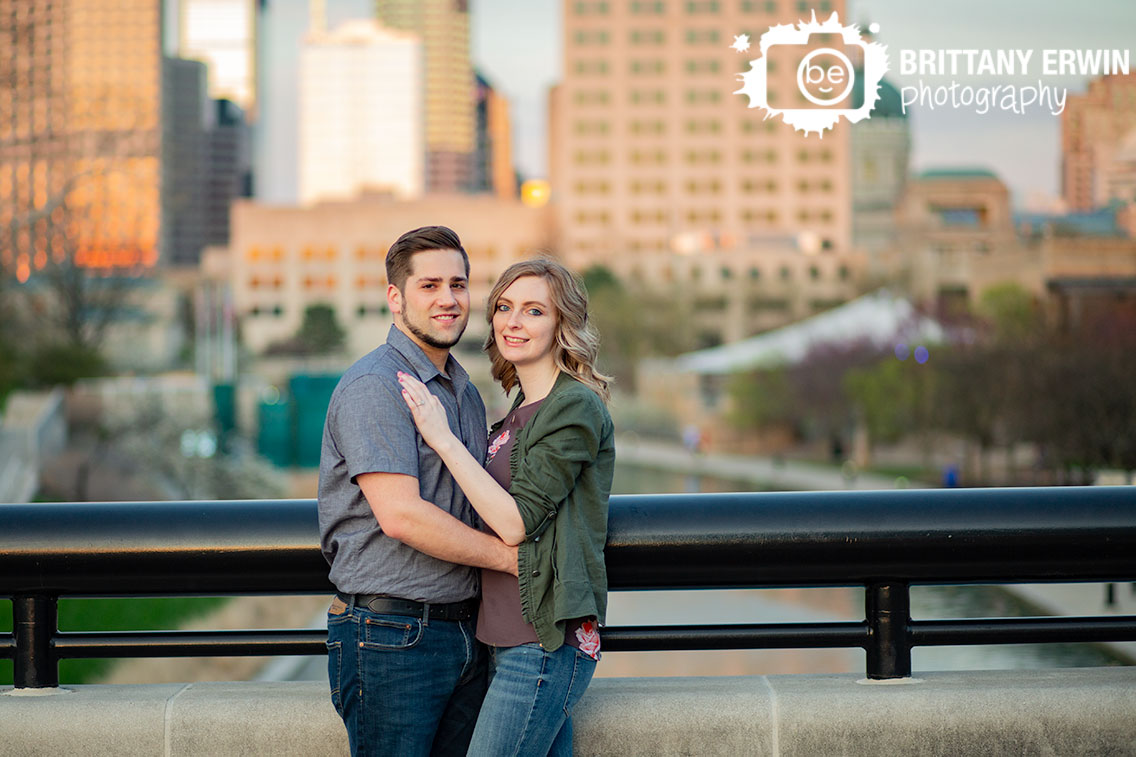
(880,318)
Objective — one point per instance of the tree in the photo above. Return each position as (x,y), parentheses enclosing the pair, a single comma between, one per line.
(1079,406)
(886,396)
(635,323)
(1009,311)
(762,398)
(79,217)
(319,334)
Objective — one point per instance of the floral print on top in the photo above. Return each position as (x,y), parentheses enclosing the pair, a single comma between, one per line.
(589,638)
(497,444)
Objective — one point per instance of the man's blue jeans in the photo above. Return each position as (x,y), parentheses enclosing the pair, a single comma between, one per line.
(528,710)
(404,685)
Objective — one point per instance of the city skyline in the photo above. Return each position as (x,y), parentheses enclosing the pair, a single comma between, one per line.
(523,57)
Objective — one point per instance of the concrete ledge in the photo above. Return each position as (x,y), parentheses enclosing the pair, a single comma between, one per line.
(1063,711)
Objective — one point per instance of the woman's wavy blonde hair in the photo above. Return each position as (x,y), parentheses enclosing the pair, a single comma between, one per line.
(576,345)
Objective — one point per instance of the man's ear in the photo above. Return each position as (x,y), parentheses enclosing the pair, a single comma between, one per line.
(394,299)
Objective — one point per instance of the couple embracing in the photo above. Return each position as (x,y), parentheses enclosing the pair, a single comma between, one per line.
(469,566)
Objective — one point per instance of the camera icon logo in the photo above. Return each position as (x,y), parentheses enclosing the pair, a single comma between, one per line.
(825,74)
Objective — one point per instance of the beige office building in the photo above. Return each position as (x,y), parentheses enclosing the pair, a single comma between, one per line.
(283,259)
(654,157)
(1098,144)
(957,238)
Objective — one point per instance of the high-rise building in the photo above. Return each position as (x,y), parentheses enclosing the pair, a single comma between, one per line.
(360,112)
(1095,128)
(222,34)
(185,160)
(881,148)
(653,155)
(443,27)
(493,159)
(80,134)
(230,169)
(280,29)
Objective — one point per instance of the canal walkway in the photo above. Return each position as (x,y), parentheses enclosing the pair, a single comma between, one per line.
(761,472)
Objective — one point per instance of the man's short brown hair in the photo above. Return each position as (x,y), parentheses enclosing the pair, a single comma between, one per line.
(420,240)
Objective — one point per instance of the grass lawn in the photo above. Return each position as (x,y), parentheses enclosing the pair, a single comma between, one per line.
(111,614)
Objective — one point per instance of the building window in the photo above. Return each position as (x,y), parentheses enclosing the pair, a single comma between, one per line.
(704,127)
(588,128)
(698,157)
(703,37)
(587,8)
(592,157)
(654,67)
(647,36)
(591,67)
(648,127)
(592,37)
(703,96)
(647,96)
(371,310)
(592,97)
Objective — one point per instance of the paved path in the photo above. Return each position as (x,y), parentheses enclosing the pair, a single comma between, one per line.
(790,475)
(1084,599)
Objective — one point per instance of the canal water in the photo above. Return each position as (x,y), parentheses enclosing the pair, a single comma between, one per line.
(802,605)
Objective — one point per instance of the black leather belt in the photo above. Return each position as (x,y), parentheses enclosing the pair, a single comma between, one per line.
(392,606)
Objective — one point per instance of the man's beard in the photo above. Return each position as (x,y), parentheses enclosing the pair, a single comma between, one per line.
(430,339)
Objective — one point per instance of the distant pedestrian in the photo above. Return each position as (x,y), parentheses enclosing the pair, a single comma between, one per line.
(692,439)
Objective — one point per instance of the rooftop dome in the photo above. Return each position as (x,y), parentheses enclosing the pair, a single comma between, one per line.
(889,104)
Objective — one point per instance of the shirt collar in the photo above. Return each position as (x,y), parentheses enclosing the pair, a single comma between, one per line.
(423,367)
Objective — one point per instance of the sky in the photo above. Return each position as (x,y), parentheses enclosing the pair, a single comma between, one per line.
(517,44)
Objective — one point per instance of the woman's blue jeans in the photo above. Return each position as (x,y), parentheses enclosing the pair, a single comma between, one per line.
(528,709)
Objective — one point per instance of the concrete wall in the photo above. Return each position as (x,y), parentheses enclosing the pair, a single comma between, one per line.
(1053,712)
(33,428)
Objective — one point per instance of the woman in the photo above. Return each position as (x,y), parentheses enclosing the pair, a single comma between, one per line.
(545,489)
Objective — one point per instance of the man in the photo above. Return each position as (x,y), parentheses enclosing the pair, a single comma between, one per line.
(407,675)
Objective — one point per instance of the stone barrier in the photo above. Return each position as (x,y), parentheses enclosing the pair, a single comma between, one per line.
(1060,711)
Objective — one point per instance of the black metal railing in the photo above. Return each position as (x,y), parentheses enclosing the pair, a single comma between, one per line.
(884,541)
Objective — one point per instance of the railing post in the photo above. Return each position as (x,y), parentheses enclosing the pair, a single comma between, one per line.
(888,608)
(34,623)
